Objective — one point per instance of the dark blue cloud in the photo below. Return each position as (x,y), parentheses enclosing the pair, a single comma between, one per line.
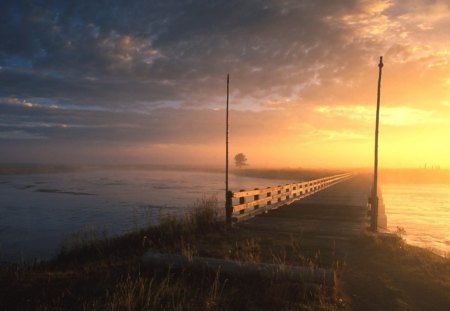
(179,41)
(146,70)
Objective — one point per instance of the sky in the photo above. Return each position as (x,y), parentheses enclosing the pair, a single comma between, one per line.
(145,82)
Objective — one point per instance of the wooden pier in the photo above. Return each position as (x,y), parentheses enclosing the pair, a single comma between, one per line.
(322,214)
(330,206)
(320,244)
(259,201)
(326,221)
(335,212)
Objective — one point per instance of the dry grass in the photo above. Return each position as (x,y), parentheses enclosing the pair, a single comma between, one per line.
(396,276)
(94,271)
(246,250)
(98,272)
(170,293)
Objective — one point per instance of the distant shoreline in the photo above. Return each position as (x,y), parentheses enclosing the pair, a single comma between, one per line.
(390,175)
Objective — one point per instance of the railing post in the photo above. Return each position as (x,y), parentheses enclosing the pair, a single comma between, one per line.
(279,192)
(256,197)
(228,208)
(269,203)
(242,199)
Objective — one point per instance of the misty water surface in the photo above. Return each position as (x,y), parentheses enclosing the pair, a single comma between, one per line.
(38,212)
(423,211)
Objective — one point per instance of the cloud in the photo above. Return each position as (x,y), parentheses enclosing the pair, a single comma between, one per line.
(393,116)
(153,72)
(156,126)
(19,135)
(337,135)
(129,50)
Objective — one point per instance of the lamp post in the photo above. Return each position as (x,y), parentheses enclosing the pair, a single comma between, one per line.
(228,194)
(374,201)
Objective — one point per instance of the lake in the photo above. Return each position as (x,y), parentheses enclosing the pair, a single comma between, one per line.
(423,211)
(40,211)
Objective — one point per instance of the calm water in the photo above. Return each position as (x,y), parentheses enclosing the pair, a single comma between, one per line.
(423,211)
(38,212)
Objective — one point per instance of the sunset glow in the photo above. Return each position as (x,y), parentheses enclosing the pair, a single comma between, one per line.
(141,84)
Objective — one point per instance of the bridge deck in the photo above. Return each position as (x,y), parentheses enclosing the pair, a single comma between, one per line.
(337,211)
(322,220)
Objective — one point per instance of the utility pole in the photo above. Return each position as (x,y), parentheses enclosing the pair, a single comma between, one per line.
(374,207)
(228,193)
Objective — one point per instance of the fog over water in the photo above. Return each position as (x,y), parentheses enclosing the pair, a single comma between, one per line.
(38,212)
(423,211)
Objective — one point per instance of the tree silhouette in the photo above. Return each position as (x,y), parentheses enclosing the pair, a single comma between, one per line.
(240,160)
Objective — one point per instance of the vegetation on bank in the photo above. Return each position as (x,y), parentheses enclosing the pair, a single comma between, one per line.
(384,273)
(431,175)
(298,174)
(94,272)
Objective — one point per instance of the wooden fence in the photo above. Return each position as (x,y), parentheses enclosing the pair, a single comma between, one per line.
(245,204)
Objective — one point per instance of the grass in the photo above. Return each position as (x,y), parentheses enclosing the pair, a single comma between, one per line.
(94,271)
(169,293)
(170,235)
(396,276)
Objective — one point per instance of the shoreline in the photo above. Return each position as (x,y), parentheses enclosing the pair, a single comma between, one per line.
(420,214)
(117,261)
(436,251)
(373,271)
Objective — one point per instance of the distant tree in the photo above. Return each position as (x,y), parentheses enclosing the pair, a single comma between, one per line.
(240,160)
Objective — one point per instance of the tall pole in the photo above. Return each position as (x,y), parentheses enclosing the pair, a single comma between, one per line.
(374,220)
(228,205)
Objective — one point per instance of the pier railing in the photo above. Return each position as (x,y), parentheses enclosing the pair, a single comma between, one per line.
(248,203)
